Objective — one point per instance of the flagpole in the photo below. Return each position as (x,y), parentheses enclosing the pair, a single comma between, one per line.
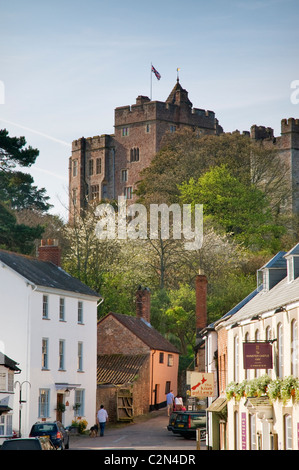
(151,91)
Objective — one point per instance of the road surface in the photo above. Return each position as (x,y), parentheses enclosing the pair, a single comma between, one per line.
(145,434)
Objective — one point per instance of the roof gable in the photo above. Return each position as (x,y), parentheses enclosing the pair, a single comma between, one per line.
(145,332)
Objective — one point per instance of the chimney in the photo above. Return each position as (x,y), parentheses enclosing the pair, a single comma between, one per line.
(201,301)
(143,304)
(50,251)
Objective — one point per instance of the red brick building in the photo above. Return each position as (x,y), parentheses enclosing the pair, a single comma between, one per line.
(136,365)
(108,166)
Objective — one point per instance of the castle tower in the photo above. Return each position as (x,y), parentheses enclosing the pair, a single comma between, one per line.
(289,148)
(108,166)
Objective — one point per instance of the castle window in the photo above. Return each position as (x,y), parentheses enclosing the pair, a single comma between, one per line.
(98,166)
(75,167)
(172,128)
(147,128)
(125,131)
(124,176)
(94,192)
(134,155)
(128,192)
(90,167)
(74,196)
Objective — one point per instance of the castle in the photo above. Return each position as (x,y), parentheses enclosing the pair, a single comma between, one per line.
(108,166)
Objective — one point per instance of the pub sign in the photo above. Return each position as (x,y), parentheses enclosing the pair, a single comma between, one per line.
(257,355)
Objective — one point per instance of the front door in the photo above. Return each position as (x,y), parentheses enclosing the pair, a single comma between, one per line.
(59,407)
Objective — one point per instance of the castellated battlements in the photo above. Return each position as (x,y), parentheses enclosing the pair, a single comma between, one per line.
(289,125)
(91,143)
(145,110)
(261,132)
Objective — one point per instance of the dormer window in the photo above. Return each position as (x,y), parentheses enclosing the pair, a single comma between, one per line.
(292,258)
(290,263)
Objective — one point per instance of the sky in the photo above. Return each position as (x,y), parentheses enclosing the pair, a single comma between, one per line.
(66,65)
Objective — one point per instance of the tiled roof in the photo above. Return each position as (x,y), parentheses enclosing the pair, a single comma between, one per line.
(43,273)
(145,332)
(118,369)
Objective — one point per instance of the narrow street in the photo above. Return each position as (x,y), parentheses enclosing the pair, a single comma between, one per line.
(144,434)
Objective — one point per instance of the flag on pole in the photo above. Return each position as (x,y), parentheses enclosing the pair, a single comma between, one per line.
(158,76)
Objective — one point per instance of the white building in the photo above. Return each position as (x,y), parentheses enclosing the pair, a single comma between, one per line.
(48,325)
(264,419)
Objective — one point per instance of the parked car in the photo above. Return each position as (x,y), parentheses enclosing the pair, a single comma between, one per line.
(186,423)
(172,419)
(28,443)
(55,431)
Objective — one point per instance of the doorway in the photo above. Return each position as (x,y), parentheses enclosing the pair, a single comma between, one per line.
(60,407)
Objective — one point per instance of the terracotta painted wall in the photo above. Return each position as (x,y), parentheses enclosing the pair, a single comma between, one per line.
(161,373)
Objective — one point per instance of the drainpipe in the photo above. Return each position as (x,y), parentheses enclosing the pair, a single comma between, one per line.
(152,385)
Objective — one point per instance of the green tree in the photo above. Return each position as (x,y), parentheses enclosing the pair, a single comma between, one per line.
(17,237)
(239,209)
(185,154)
(16,188)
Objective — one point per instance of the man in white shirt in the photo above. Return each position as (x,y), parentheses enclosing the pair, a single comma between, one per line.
(102,419)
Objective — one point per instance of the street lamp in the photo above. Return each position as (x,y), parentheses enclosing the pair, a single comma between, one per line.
(20,402)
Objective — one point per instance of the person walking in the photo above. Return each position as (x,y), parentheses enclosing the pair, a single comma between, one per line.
(102,417)
(169,402)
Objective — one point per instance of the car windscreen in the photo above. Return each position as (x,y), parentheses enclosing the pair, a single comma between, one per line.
(26,444)
(43,428)
(196,417)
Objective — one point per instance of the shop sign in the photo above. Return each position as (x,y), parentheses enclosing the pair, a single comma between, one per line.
(201,384)
(257,355)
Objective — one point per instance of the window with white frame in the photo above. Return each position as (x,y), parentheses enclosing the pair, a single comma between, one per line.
(6,425)
(45,353)
(294,348)
(252,425)
(268,338)
(236,359)
(62,309)
(80,312)
(79,402)
(288,435)
(80,356)
(246,371)
(44,403)
(61,354)
(45,306)
(279,350)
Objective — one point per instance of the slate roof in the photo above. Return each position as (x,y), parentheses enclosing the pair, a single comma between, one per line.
(9,363)
(144,332)
(278,261)
(118,369)
(44,273)
(282,294)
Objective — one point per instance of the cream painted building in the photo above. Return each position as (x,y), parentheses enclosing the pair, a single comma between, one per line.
(265,422)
